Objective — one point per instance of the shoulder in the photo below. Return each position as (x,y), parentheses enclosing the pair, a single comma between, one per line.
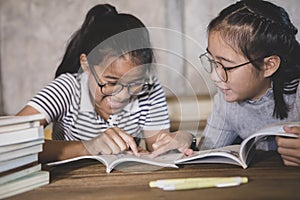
(298,88)
(155,83)
(68,78)
(155,96)
(298,93)
(156,91)
(67,81)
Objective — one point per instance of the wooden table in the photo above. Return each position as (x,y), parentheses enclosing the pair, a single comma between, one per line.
(87,179)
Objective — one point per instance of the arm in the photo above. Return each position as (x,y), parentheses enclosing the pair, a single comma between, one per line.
(288,148)
(55,150)
(218,130)
(112,141)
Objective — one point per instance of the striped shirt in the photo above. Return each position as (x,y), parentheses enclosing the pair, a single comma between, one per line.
(66,102)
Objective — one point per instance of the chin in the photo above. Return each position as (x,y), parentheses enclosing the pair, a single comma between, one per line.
(115,111)
(230,98)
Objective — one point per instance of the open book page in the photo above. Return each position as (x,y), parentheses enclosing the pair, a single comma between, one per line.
(166,160)
(111,161)
(226,155)
(275,128)
(248,146)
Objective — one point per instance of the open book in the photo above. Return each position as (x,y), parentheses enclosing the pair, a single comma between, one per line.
(233,154)
(240,154)
(111,161)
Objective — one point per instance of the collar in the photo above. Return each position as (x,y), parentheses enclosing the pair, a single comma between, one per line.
(86,100)
(268,94)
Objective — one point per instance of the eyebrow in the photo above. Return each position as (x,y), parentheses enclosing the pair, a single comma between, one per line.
(111,77)
(118,78)
(220,57)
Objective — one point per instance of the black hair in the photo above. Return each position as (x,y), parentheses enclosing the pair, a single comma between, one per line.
(259,28)
(107,32)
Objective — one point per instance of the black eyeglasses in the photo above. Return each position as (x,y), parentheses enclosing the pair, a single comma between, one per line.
(111,89)
(210,64)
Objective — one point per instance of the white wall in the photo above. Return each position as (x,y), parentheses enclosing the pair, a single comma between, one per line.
(34,33)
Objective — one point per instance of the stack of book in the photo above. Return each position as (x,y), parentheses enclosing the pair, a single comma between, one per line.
(21,139)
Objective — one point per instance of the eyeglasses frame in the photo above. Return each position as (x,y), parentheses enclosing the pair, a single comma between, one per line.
(149,85)
(227,68)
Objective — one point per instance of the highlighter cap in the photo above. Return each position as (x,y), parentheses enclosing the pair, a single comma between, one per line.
(153,184)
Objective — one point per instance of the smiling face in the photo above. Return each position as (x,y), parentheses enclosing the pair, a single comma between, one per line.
(121,70)
(243,83)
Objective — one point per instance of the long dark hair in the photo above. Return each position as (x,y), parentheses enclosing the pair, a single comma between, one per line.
(259,28)
(125,34)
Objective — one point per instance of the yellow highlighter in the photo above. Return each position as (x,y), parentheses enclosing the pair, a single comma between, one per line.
(194,183)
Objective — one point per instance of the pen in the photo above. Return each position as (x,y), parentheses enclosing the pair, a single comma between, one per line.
(193,183)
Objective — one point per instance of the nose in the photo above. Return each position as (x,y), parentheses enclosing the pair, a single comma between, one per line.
(123,94)
(214,76)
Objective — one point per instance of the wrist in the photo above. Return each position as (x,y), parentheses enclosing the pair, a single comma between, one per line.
(193,145)
(88,148)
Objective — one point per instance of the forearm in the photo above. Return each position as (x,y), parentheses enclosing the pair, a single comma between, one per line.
(54,150)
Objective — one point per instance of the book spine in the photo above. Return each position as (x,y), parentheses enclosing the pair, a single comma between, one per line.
(21,136)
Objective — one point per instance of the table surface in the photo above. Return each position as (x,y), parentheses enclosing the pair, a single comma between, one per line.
(87,179)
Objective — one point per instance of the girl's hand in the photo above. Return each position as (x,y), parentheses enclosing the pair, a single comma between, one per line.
(169,141)
(289,148)
(112,141)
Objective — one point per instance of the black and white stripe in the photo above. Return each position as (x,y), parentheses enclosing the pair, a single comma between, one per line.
(60,102)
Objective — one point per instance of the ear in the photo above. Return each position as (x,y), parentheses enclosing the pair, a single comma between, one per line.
(84,63)
(271,65)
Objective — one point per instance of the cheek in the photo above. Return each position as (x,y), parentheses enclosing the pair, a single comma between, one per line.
(95,91)
(92,83)
(245,85)
(243,77)
(214,77)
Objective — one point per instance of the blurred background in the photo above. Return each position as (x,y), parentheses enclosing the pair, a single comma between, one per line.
(34,34)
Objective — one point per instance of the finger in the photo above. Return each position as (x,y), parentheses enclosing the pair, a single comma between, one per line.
(160,143)
(290,158)
(162,149)
(292,129)
(106,149)
(165,142)
(129,140)
(290,161)
(118,140)
(109,139)
(289,152)
(292,164)
(141,151)
(162,140)
(291,143)
(188,152)
(101,146)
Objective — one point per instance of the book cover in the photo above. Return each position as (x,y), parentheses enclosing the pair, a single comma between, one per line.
(23,184)
(19,136)
(13,120)
(21,152)
(19,172)
(17,162)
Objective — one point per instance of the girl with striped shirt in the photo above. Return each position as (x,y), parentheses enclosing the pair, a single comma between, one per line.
(105,97)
